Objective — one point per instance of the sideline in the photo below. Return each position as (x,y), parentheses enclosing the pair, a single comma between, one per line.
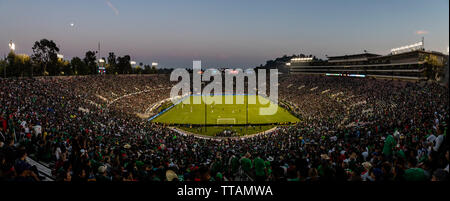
(187,133)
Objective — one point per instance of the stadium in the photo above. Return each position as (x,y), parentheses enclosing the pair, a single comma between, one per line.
(109,123)
(355,116)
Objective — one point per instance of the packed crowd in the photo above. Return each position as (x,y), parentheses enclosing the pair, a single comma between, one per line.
(227,133)
(351,130)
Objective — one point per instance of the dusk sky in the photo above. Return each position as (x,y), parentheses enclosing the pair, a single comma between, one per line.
(226,33)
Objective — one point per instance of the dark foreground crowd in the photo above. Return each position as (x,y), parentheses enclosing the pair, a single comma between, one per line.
(86,129)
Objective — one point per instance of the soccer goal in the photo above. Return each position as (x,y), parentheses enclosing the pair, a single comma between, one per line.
(226,121)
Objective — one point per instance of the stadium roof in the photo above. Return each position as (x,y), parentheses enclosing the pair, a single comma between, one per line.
(413,52)
(352,56)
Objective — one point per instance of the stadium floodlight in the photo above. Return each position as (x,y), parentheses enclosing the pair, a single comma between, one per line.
(306,59)
(333,74)
(12,46)
(356,75)
(101,60)
(154,64)
(288,64)
(407,48)
(132,62)
(60,56)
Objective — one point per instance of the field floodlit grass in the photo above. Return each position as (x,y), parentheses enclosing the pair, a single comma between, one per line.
(188,113)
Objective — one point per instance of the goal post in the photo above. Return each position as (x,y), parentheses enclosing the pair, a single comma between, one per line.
(226,121)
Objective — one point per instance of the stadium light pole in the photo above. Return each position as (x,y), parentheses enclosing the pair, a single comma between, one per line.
(206,114)
(12,48)
(246,115)
(4,73)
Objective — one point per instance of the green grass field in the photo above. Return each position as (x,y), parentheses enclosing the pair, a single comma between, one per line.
(186,112)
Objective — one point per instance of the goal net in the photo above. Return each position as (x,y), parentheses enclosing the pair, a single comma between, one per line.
(226,121)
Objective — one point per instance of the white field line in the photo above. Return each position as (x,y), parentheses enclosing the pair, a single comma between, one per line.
(186,133)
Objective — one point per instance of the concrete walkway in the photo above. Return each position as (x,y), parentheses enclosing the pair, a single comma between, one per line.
(43,170)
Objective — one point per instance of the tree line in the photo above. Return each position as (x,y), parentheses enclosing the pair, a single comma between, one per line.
(45,62)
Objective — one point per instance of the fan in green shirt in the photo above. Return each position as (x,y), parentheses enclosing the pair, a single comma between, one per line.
(260,167)
(139,163)
(269,169)
(415,174)
(246,164)
(401,153)
(216,167)
(234,164)
(389,144)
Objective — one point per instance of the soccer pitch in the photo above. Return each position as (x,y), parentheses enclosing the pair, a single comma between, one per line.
(186,112)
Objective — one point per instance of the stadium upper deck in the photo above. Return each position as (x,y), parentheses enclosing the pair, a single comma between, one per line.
(414,65)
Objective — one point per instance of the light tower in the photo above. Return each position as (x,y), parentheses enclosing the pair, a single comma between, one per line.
(12,46)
